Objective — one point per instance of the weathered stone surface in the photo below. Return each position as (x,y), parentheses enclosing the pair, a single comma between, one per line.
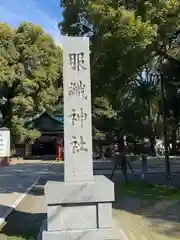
(105,219)
(73,217)
(101,190)
(90,234)
(77,110)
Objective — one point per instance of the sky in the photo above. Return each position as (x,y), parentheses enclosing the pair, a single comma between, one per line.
(46,13)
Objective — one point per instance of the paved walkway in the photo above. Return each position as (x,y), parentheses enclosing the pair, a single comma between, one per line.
(153,164)
(26,220)
(156,170)
(15,182)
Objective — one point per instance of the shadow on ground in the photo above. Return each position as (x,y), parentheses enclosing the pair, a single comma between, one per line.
(23,224)
(155,206)
(26,220)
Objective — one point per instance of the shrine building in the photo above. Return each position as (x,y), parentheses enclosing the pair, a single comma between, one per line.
(51,128)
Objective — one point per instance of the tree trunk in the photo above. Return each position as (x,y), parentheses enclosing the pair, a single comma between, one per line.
(152,137)
(7,114)
(121,147)
(174,139)
(152,147)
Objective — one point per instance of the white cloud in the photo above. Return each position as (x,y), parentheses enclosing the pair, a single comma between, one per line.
(15,12)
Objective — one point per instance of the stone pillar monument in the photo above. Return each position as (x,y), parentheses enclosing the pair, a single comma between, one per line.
(80,208)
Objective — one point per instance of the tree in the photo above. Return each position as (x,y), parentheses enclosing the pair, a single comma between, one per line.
(118,41)
(171,71)
(124,38)
(124,34)
(146,93)
(30,77)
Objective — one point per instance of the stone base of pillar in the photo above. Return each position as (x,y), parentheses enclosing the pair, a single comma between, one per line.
(89,234)
(80,210)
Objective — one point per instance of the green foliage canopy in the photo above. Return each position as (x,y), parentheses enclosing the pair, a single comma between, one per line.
(30,77)
(126,36)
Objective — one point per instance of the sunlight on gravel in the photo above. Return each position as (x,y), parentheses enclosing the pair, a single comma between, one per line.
(164,225)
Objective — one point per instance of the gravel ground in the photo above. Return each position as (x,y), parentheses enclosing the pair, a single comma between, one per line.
(146,220)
